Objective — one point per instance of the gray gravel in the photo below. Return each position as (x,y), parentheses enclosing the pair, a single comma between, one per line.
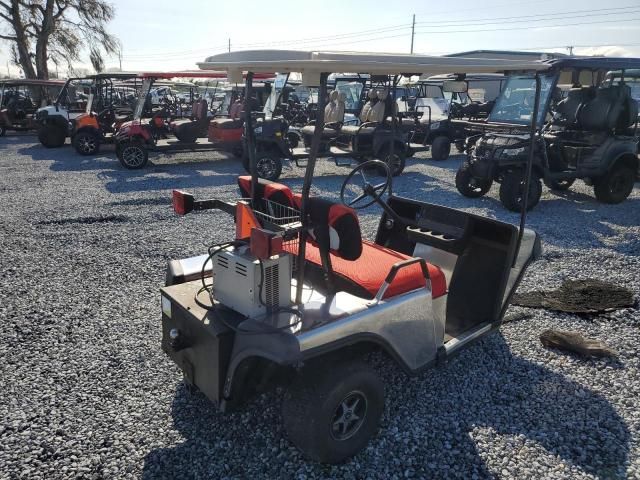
(87,392)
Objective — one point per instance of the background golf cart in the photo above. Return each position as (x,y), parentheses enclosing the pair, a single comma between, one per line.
(56,121)
(458,272)
(589,133)
(203,130)
(20,99)
(109,105)
(440,100)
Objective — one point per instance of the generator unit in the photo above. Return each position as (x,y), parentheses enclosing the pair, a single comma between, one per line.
(251,286)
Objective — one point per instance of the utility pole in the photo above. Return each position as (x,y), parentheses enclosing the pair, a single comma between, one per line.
(570,48)
(413,30)
(8,72)
(229,45)
(120,57)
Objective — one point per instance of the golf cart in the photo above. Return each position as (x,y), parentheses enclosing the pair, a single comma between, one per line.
(56,121)
(589,132)
(203,130)
(442,99)
(360,123)
(19,100)
(107,108)
(298,297)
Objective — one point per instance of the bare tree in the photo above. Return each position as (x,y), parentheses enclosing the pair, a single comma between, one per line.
(56,30)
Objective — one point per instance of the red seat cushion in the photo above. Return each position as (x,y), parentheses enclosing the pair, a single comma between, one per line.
(369,271)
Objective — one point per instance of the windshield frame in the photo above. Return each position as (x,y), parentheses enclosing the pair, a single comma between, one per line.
(545,99)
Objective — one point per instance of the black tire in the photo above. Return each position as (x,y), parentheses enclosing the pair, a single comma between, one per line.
(294,139)
(559,185)
(616,185)
(470,186)
(133,154)
(269,165)
(395,162)
(315,411)
(86,143)
(440,148)
(52,135)
(512,188)
(460,147)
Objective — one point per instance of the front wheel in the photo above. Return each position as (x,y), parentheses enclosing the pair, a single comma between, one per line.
(440,148)
(52,135)
(470,186)
(559,185)
(616,185)
(133,155)
(268,165)
(86,143)
(331,414)
(512,190)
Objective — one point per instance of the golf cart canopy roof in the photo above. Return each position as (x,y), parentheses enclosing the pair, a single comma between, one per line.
(193,74)
(593,63)
(28,81)
(114,75)
(308,62)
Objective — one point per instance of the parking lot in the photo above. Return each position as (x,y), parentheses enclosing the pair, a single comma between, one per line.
(88,393)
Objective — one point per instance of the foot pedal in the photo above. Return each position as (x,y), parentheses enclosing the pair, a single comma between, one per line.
(342,161)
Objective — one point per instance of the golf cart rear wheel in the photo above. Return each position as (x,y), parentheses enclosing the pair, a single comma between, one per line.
(559,185)
(133,155)
(86,143)
(268,165)
(440,148)
(330,414)
(616,185)
(512,190)
(396,161)
(470,186)
(52,136)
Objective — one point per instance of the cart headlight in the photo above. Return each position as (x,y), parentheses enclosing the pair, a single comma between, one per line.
(435,125)
(258,130)
(174,333)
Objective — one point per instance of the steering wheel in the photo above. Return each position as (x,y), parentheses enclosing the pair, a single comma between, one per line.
(367,183)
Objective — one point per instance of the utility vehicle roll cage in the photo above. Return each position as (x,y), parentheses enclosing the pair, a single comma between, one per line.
(315,68)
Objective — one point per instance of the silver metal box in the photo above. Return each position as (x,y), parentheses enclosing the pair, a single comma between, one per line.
(237,276)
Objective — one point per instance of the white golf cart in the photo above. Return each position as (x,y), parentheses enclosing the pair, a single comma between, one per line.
(298,296)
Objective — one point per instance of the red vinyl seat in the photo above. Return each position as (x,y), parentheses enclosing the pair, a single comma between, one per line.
(358,266)
(365,275)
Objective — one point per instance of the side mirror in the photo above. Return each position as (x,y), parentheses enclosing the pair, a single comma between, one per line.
(454,86)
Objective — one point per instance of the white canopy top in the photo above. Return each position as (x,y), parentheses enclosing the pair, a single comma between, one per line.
(314,63)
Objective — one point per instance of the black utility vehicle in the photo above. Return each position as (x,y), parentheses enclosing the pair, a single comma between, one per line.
(586,129)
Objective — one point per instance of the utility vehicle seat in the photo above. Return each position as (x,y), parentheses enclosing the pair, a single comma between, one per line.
(188,127)
(356,266)
(569,107)
(604,111)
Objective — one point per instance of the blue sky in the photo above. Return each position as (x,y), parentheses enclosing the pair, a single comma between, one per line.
(170,34)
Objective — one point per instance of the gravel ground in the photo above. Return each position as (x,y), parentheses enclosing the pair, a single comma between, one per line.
(87,392)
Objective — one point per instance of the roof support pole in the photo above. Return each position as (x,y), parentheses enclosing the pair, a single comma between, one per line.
(533,141)
(250,136)
(308,180)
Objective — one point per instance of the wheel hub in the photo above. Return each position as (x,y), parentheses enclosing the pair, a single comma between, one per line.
(349,416)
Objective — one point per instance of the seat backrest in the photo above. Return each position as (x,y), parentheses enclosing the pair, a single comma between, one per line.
(330,110)
(366,110)
(335,228)
(267,190)
(604,110)
(568,108)
(378,110)
(200,108)
(340,106)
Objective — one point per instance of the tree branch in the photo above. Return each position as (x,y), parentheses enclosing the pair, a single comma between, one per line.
(7,37)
